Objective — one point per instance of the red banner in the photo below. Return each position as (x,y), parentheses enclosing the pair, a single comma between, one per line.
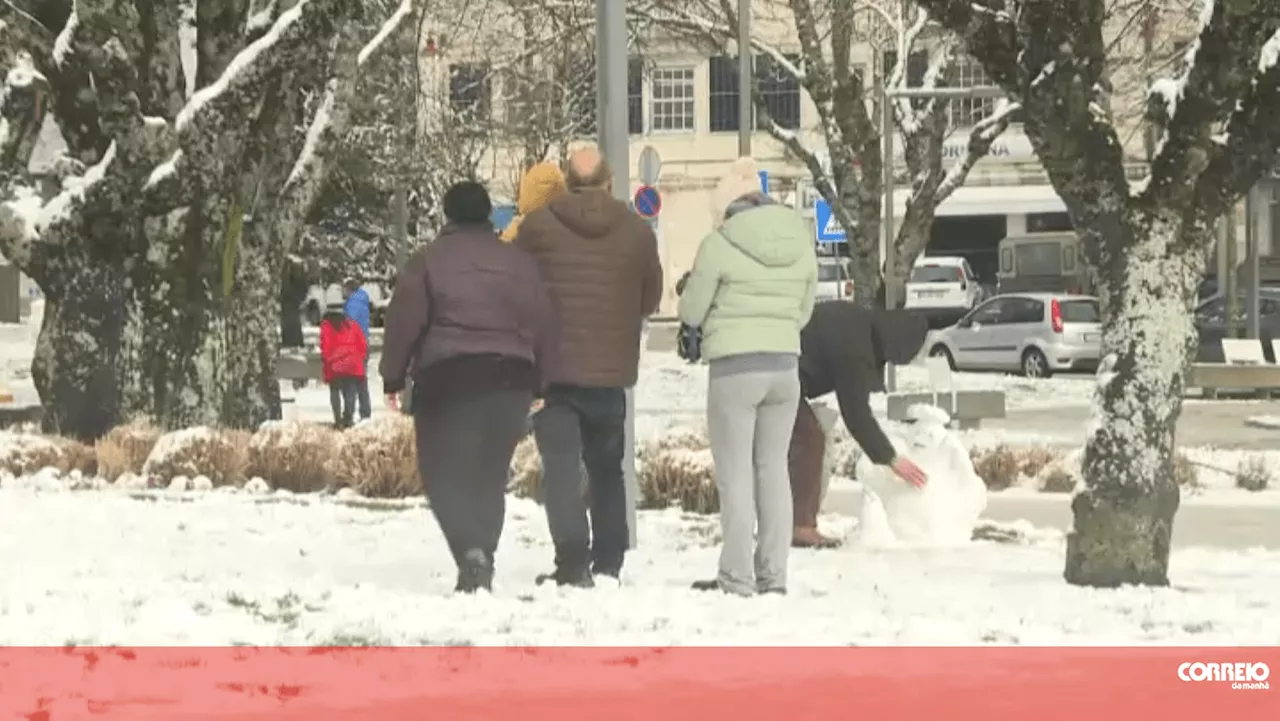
(557,684)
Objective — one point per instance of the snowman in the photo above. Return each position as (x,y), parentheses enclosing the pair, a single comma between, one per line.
(944,511)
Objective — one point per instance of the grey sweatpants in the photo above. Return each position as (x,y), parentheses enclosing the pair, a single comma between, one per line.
(751,408)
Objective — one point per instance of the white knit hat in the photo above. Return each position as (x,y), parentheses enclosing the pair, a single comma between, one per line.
(741,178)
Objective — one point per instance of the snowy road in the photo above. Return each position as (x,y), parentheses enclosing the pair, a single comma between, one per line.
(102,568)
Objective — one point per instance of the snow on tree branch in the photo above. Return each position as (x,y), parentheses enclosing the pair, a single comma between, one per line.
(235,94)
(62,46)
(1228,136)
(390,26)
(981,136)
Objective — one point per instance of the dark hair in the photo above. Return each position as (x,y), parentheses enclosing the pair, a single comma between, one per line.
(335,317)
(351,285)
(467,202)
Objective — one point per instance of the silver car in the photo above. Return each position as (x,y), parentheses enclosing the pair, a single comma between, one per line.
(1035,333)
(835,279)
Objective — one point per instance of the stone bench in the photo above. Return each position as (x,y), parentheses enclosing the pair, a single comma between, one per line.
(1214,378)
(1245,369)
(967,408)
(968,411)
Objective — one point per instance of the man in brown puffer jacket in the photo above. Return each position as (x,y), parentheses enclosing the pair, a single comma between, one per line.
(600,262)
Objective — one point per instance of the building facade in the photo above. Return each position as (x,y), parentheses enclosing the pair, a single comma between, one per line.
(683,102)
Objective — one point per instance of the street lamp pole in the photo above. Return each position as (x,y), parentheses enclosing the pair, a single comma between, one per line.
(615,143)
(746,117)
(890,166)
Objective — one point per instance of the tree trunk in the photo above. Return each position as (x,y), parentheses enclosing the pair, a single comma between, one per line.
(293,293)
(863,204)
(75,367)
(1124,515)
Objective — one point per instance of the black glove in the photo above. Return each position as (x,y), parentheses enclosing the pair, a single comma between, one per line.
(689,343)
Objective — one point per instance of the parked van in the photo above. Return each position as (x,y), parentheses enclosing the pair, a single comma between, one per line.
(942,286)
(1043,263)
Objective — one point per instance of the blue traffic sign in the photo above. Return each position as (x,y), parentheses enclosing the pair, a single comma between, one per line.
(764,182)
(828,228)
(647,201)
(502,216)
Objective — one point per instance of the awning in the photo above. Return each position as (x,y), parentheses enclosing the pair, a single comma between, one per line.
(992,200)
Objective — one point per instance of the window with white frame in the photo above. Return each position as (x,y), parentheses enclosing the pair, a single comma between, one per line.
(967,112)
(671,100)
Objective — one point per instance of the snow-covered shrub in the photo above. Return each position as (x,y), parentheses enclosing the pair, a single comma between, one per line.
(1185,473)
(293,456)
(677,469)
(1056,479)
(23,453)
(222,455)
(683,477)
(847,455)
(125,449)
(378,459)
(1252,474)
(999,467)
(526,472)
(1033,460)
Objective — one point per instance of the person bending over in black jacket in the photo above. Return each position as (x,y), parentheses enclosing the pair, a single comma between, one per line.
(844,349)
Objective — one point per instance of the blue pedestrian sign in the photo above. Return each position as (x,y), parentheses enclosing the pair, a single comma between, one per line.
(647,201)
(502,216)
(828,228)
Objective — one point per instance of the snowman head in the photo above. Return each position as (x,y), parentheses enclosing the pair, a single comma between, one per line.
(928,425)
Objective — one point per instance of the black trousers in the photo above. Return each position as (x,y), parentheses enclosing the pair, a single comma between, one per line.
(464,456)
(584,426)
(342,398)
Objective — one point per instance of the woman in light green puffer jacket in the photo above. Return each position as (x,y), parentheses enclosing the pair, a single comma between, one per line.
(750,293)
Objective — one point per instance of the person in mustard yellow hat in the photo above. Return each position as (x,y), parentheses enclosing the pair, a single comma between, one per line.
(539,186)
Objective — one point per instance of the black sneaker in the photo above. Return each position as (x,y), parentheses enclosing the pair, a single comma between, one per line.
(774,591)
(475,573)
(577,579)
(711,585)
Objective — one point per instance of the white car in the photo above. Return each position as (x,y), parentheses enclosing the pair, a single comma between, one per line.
(835,279)
(1035,333)
(942,285)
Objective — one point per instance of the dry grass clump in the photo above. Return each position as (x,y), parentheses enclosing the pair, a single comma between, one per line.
(293,456)
(1252,474)
(682,477)
(1185,473)
(222,456)
(1031,461)
(999,467)
(378,459)
(526,471)
(24,453)
(677,469)
(125,449)
(1057,480)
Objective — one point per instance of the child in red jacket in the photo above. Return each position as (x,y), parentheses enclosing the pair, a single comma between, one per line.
(342,352)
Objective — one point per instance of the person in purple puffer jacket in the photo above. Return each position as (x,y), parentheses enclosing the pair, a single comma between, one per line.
(472,323)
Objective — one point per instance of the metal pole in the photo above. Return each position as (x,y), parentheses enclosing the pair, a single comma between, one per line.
(1252,301)
(615,143)
(746,118)
(890,256)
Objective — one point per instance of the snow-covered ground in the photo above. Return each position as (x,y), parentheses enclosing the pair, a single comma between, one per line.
(224,568)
